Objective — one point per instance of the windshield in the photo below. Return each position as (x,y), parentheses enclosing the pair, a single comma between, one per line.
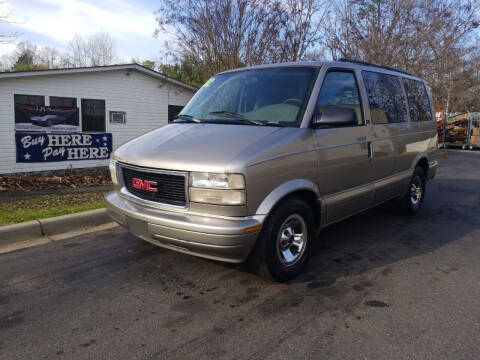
(275,97)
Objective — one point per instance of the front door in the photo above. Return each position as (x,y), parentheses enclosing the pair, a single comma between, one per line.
(343,152)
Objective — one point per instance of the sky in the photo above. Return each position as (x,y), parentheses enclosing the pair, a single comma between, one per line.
(54,23)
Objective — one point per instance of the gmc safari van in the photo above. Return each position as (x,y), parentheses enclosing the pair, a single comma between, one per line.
(263,157)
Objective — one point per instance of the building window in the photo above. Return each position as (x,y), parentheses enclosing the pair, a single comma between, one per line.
(386,99)
(29,99)
(118,117)
(418,102)
(32,100)
(63,102)
(93,115)
(173,111)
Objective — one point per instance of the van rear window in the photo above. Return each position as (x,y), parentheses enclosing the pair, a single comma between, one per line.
(385,97)
(418,102)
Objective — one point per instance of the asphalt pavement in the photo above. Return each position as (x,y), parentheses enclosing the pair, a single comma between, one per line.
(379,286)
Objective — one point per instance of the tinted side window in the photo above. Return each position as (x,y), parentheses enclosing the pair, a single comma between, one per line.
(339,88)
(418,103)
(385,97)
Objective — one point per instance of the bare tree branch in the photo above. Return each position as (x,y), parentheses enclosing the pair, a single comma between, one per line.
(224,34)
(98,49)
(6,18)
(432,39)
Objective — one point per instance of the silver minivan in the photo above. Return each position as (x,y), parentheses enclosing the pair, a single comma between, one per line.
(263,157)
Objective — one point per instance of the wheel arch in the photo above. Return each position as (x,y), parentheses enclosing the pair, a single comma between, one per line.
(304,189)
(423,163)
(421,160)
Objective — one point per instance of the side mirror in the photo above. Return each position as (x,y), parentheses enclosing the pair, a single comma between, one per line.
(334,116)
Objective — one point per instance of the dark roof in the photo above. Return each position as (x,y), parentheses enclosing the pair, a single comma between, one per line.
(136,67)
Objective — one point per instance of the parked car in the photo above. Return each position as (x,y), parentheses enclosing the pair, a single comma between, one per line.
(263,157)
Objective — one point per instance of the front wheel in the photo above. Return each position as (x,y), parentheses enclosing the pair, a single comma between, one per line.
(412,201)
(283,247)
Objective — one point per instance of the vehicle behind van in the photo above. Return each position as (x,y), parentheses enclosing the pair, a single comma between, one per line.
(263,157)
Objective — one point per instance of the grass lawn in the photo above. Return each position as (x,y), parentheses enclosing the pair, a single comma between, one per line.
(49,205)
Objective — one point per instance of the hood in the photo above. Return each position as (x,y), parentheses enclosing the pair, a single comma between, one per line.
(193,147)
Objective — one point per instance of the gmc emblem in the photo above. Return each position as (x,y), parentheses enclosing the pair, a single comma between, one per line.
(144,185)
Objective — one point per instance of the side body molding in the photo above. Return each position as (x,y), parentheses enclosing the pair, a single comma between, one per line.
(283,190)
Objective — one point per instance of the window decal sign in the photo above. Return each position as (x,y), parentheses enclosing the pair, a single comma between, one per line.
(35,147)
(46,119)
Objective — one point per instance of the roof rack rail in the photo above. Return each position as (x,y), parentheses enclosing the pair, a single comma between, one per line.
(360,62)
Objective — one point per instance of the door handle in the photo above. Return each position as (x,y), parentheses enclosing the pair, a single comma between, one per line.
(370,151)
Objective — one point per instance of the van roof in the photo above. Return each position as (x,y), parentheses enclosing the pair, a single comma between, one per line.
(342,63)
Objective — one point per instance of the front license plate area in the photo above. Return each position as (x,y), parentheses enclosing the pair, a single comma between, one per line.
(137,227)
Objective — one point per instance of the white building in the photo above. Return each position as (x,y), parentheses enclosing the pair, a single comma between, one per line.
(122,100)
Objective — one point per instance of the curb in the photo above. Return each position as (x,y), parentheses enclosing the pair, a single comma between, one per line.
(10,234)
(29,230)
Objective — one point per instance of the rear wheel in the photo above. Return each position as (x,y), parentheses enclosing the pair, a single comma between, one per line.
(412,201)
(283,247)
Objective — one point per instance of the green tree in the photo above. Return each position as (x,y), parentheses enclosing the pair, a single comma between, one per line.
(151,64)
(188,71)
(26,62)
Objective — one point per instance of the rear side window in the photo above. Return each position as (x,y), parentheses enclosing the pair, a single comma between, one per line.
(418,103)
(385,97)
(340,89)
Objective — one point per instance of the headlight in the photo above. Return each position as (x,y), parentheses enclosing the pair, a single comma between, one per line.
(113,171)
(217,181)
(218,189)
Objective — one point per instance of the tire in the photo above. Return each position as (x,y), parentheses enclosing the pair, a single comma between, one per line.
(411,203)
(278,256)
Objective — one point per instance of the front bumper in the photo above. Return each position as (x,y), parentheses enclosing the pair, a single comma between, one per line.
(211,237)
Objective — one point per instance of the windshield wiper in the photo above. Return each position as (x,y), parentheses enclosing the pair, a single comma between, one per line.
(225,112)
(241,118)
(186,119)
(238,119)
